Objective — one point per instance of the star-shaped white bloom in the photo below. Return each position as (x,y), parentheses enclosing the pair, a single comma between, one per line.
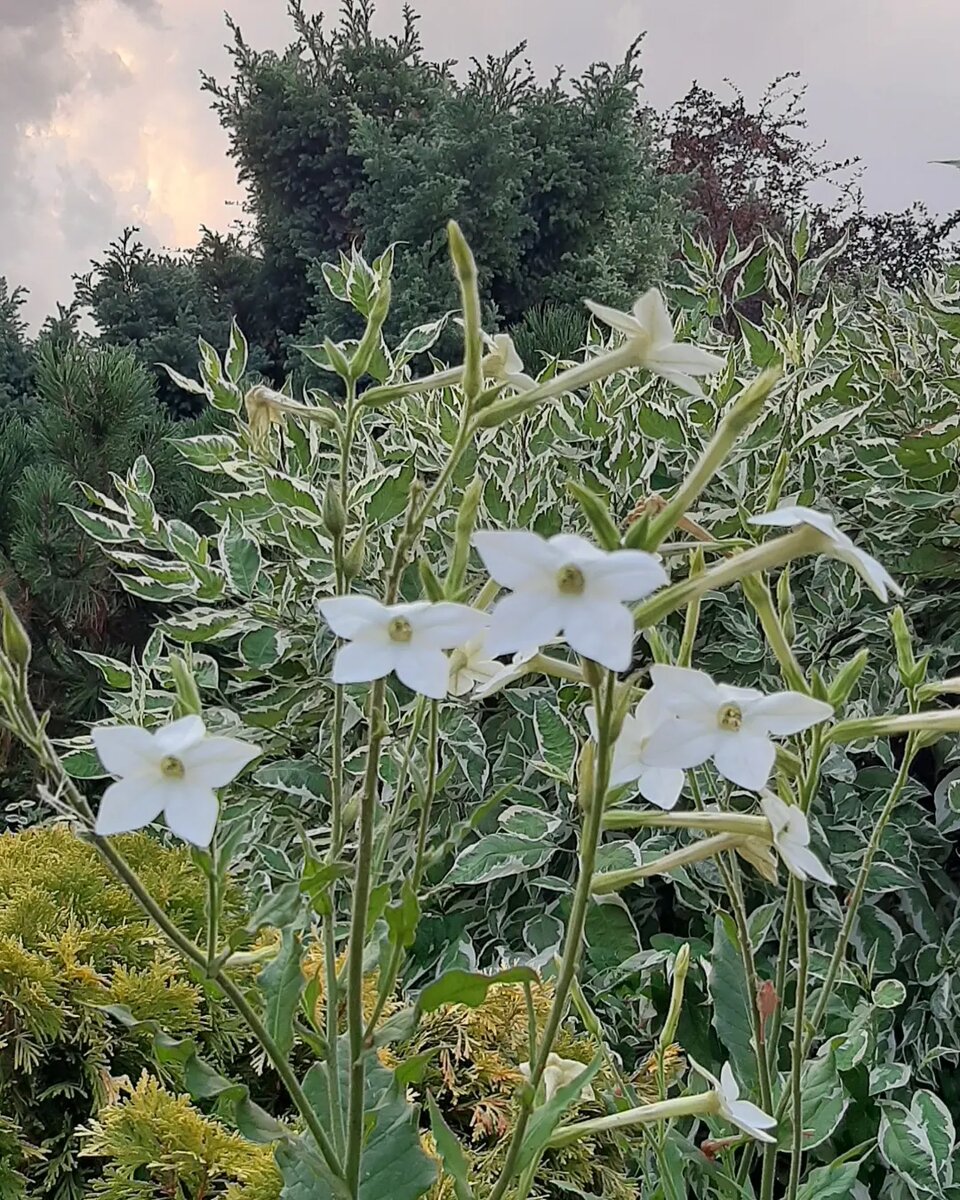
(791,837)
(504,364)
(742,1113)
(471,667)
(698,719)
(874,575)
(557,1074)
(507,673)
(565,584)
(408,639)
(649,329)
(660,785)
(173,770)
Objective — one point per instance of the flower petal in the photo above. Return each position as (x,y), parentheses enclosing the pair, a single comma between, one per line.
(191,813)
(626,323)
(661,786)
(752,1120)
(651,314)
(685,383)
(362,661)
(681,743)
(215,761)
(523,620)
(349,615)
(776,811)
(179,736)
(683,683)
(745,759)
(516,558)
(804,864)
(601,630)
(627,574)
(798,514)
(571,546)
(130,804)
(444,625)
(785,712)
(683,359)
(874,574)
(729,1088)
(423,670)
(707,1075)
(125,749)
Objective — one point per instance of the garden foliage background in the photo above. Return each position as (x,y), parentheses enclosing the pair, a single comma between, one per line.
(136,521)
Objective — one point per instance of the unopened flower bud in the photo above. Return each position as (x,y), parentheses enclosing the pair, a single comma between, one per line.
(188,694)
(16,643)
(681,965)
(353,559)
(334,516)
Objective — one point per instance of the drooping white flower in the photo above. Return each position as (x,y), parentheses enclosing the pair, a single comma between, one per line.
(174,770)
(557,1074)
(873,573)
(660,785)
(507,673)
(471,667)
(698,719)
(742,1113)
(791,837)
(565,583)
(650,331)
(408,639)
(504,364)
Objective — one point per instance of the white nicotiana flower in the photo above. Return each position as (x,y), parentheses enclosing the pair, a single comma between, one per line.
(506,673)
(504,364)
(557,1074)
(565,584)
(173,770)
(649,329)
(742,1113)
(791,837)
(408,639)
(471,667)
(698,719)
(874,575)
(660,785)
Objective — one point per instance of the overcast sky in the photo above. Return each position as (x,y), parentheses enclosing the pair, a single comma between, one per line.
(102,122)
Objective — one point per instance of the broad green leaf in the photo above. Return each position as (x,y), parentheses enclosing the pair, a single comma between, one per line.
(532,823)
(451,1152)
(496,856)
(824,1103)
(264,647)
(295,777)
(182,382)
(934,1118)
(830,1183)
(236,360)
(209,451)
(890,993)
(116,673)
(468,987)
(100,528)
(200,625)
(731,999)
(281,984)
(906,1148)
(888,1077)
(240,557)
(556,742)
(403,916)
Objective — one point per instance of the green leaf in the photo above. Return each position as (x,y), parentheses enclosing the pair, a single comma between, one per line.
(276,911)
(240,557)
(731,1000)
(281,983)
(403,917)
(317,880)
(264,647)
(496,856)
(597,513)
(905,1148)
(834,1182)
(182,382)
(200,625)
(890,993)
(209,451)
(556,742)
(101,529)
(304,780)
(468,987)
(531,823)
(934,1118)
(764,352)
(451,1152)
(236,360)
(824,1103)
(547,1117)
(116,673)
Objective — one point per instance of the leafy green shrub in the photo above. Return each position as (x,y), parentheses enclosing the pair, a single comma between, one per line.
(72,940)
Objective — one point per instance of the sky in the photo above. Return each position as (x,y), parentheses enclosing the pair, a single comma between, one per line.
(103,124)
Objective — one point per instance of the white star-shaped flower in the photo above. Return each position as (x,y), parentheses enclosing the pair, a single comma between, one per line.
(873,573)
(660,785)
(504,364)
(698,719)
(791,837)
(408,639)
(471,667)
(742,1113)
(173,770)
(565,583)
(557,1074)
(507,673)
(649,329)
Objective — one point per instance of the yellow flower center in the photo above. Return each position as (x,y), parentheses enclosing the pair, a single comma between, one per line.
(730,717)
(400,630)
(171,768)
(570,580)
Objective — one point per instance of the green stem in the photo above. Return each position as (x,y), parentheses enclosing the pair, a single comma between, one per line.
(614,881)
(213,905)
(702,1105)
(573,940)
(713,822)
(796,1069)
(760,600)
(393,816)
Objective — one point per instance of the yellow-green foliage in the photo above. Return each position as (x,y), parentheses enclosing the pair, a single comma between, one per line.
(72,940)
(156,1145)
